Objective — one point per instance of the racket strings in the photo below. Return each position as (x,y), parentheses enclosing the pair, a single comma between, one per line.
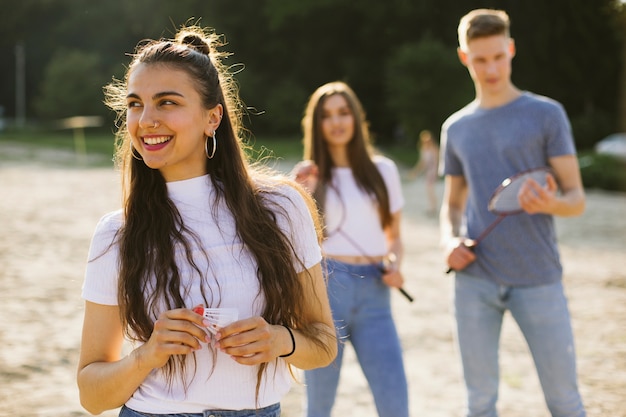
(505,198)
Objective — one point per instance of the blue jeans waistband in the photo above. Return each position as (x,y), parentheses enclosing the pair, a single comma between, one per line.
(358,269)
(269,411)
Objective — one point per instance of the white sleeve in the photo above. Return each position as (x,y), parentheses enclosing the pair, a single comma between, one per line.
(296,222)
(391,176)
(101,273)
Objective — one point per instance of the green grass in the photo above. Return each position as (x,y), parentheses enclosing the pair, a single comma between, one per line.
(31,145)
(99,146)
(102,144)
(97,143)
(275,147)
(598,171)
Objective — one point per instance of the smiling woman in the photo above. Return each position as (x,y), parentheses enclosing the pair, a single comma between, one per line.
(200,227)
(167,122)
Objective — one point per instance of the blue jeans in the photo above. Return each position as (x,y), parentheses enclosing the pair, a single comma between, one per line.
(361,307)
(542,315)
(270,411)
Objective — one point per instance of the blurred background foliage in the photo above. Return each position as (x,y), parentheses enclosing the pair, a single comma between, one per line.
(398,55)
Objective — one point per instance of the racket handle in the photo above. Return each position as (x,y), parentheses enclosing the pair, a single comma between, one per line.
(406,294)
(402,291)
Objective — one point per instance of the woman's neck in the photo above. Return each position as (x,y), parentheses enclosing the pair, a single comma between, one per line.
(339,155)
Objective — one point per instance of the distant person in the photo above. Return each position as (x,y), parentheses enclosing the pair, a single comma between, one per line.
(427,164)
(199,228)
(360,198)
(516,268)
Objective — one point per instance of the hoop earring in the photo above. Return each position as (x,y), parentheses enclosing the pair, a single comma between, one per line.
(211,154)
(134,153)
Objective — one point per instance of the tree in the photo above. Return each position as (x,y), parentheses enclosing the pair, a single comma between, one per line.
(425,83)
(620,23)
(567,49)
(71,86)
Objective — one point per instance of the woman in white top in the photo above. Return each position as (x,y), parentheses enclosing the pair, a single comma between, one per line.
(360,198)
(199,227)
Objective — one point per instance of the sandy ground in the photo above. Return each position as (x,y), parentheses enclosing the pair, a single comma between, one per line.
(50,204)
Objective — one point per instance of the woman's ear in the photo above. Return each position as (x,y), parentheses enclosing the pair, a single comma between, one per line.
(214,119)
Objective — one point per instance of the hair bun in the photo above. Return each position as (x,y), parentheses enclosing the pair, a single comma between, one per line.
(196,42)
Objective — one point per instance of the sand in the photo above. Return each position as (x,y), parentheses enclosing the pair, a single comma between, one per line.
(50,203)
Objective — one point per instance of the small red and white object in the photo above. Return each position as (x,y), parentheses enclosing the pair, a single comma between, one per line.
(217,317)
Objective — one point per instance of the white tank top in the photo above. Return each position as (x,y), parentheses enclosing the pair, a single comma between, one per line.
(353,225)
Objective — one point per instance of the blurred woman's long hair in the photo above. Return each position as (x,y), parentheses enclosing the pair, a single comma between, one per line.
(360,149)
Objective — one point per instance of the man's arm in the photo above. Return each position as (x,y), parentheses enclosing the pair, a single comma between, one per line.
(456,252)
(570,201)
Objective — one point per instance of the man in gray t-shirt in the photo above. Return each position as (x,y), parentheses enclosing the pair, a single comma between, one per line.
(505,131)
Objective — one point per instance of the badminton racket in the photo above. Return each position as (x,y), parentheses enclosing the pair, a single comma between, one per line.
(387,262)
(504,201)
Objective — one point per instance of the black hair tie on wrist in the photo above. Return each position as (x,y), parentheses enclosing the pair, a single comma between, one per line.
(293,342)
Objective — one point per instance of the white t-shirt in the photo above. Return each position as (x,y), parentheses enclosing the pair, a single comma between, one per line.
(354,213)
(232,281)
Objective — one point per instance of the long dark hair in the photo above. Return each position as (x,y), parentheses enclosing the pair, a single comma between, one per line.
(149,278)
(360,148)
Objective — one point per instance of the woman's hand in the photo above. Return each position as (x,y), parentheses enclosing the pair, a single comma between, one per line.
(105,379)
(176,332)
(253,341)
(306,174)
(393,278)
(391,273)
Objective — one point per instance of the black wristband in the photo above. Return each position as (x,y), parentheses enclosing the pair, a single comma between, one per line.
(293,343)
